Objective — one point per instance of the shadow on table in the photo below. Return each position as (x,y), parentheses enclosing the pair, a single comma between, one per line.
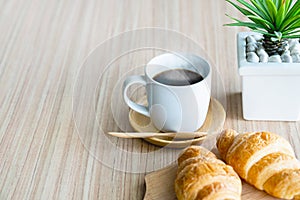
(234,106)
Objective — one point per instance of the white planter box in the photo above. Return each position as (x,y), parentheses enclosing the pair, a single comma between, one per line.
(270,91)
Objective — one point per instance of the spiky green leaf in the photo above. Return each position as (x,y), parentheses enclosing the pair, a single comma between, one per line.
(264,12)
(272,9)
(269,16)
(294,25)
(265,6)
(261,21)
(277,3)
(291,36)
(235,19)
(264,32)
(250,25)
(291,32)
(288,4)
(288,23)
(294,10)
(252,8)
(242,10)
(280,15)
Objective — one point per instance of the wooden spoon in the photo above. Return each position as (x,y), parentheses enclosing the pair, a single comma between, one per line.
(179,135)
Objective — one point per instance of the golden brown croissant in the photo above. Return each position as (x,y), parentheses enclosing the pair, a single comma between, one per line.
(201,175)
(264,160)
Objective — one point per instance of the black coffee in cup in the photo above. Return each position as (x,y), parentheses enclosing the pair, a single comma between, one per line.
(178,77)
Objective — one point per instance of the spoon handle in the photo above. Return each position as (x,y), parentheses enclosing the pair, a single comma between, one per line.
(179,135)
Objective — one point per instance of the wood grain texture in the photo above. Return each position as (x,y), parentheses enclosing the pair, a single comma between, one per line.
(43,44)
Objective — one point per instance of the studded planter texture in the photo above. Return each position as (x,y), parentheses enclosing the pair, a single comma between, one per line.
(270,91)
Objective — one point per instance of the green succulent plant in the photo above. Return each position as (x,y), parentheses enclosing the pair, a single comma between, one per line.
(277,20)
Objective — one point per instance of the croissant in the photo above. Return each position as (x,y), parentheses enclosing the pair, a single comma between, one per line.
(265,160)
(201,175)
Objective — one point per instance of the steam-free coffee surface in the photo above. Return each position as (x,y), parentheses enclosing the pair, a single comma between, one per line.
(178,77)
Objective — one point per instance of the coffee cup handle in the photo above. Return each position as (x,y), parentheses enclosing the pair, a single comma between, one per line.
(136,79)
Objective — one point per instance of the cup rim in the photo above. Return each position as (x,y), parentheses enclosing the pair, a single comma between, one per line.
(179,86)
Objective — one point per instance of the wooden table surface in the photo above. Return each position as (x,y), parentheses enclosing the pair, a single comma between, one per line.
(58,99)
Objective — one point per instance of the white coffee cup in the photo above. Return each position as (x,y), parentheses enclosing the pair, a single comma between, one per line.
(173,108)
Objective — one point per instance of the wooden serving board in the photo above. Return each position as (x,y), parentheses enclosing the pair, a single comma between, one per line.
(160,186)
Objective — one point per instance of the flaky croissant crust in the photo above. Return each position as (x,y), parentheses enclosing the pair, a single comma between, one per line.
(264,160)
(201,175)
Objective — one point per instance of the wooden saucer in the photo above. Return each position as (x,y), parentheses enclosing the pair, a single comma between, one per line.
(213,123)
